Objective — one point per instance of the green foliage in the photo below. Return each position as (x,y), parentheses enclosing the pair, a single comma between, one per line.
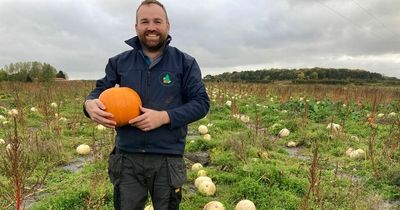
(199,144)
(28,72)
(245,163)
(305,75)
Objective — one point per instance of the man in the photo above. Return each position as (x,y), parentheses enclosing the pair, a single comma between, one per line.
(149,152)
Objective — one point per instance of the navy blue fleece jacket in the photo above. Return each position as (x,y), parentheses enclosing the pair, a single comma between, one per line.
(173,83)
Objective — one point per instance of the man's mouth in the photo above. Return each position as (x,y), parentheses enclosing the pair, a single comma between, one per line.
(152,35)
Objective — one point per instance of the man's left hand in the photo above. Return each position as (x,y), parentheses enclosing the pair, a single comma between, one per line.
(150,119)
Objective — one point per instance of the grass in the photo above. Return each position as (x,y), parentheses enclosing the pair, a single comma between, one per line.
(247,160)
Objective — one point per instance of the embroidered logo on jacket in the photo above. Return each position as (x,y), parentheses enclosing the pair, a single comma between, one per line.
(166,78)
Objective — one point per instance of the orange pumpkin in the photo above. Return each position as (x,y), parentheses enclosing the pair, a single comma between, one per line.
(122,102)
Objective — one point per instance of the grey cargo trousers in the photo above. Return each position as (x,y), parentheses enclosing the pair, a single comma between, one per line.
(135,175)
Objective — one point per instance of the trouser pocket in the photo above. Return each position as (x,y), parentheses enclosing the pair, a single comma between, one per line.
(115,166)
(176,171)
(177,177)
(114,172)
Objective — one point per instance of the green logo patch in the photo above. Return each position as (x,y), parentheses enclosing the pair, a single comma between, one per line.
(166,79)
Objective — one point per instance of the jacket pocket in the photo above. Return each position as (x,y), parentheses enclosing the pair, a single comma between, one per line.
(115,166)
(177,171)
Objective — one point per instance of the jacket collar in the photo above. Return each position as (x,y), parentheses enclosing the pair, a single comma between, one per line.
(135,43)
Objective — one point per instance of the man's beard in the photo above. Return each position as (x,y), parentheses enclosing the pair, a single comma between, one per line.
(150,46)
(154,48)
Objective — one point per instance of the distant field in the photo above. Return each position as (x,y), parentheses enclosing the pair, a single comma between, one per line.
(342,149)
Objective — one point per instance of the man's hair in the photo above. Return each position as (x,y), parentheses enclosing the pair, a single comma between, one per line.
(148,2)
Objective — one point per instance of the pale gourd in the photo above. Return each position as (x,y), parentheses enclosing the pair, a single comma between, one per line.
(201,179)
(245,205)
(214,205)
(207,187)
(262,154)
(203,129)
(8,147)
(149,207)
(291,144)
(284,133)
(357,154)
(83,149)
(201,173)
(197,166)
(334,127)
(207,137)
(349,151)
(245,118)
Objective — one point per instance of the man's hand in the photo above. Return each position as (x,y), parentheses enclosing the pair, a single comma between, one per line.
(95,109)
(150,119)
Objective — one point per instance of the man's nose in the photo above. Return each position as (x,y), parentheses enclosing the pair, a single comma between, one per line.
(151,26)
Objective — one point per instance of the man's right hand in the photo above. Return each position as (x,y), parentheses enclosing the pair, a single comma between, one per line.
(95,108)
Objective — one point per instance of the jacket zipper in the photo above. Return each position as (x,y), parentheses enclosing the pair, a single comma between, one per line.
(148,93)
(147,102)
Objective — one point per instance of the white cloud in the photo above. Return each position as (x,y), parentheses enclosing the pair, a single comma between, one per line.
(78,37)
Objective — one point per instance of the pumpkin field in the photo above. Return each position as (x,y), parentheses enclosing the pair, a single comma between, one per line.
(277,146)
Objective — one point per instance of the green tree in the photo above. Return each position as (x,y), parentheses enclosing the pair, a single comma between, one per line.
(61,74)
(48,73)
(300,76)
(3,75)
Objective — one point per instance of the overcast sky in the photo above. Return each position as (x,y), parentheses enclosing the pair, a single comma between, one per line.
(78,36)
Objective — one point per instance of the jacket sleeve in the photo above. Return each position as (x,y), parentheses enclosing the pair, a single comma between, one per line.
(196,101)
(106,82)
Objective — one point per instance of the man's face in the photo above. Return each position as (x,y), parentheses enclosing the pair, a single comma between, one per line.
(152,27)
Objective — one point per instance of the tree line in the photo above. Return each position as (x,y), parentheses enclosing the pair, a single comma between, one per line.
(32,71)
(306,75)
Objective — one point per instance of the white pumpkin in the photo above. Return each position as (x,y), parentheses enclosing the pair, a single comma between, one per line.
(392,114)
(245,118)
(201,179)
(334,127)
(83,149)
(263,154)
(228,103)
(2,141)
(349,151)
(197,166)
(214,205)
(201,173)
(245,205)
(284,132)
(149,207)
(54,105)
(13,112)
(207,137)
(354,138)
(291,144)
(203,129)
(100,127)
(380,115)
(8,147)
(207,187)
(357,154)
(275,125)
